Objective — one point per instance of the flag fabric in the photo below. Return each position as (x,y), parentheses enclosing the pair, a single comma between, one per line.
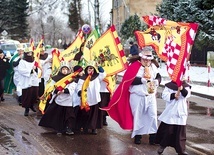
(37,56)
(84,104)
(89,43)
(60,85)
(119,106)
(108,52)
(172,42)
(69,53)
(32,44)
(55,61)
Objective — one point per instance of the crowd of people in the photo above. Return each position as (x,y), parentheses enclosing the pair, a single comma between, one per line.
(133,104)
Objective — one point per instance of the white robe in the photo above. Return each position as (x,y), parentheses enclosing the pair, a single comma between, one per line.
(66,99)
(93,90)
(46,68)
(143,106)
(16,79)
(27,79)
(175,111)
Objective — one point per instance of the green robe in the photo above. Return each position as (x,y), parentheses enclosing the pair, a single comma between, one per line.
(9,85)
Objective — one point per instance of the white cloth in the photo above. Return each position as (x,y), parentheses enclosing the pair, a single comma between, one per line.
(143,105)
(46,67)
(66,99)
(93,90)
(27,79)
(16,79)
(175,111)
(103,87)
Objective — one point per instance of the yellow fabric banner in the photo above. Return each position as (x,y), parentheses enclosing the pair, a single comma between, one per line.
(73,49)
(50,87)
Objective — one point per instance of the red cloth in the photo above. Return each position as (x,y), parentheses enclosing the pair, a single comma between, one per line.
(119,107)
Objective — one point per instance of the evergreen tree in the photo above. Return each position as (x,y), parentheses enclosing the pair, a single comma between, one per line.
(13,18)
(75,20)
(199,11)
(130,25)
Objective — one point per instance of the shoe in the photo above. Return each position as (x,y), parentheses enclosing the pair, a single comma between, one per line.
(2,99)
(33,109)
(69,131)
(85,130)
(59,134)
(26,112)
(105,123)
(137,139)
(152,139)
(19,100)
(94,132)
(160,149)
(184,153)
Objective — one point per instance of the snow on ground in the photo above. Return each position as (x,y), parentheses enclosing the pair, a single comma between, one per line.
(198,77)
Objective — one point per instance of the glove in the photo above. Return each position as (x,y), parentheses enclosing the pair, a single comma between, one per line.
(143,80)
(79,93)
(100,69)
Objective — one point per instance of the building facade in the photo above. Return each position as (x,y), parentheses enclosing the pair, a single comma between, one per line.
(122,9)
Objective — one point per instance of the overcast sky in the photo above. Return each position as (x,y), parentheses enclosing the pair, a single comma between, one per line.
(105,8)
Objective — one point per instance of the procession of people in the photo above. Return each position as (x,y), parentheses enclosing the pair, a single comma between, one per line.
(79,100)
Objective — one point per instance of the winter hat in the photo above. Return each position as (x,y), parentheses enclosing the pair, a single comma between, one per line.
(65,64)
(146,53)
(77,68)
(20,47)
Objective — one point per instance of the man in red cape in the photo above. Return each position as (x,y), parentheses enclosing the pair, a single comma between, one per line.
(119,107)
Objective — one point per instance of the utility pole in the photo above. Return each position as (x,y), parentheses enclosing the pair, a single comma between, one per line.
(97,14)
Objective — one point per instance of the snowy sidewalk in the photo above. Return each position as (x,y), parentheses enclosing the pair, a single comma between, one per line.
(198,77)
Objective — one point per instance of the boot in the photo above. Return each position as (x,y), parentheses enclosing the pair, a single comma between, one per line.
(2,99)
(152,139)
(161,149)
(94,132)
(20,100)
(33,109)
(104,121)
(26,112)
(137,139)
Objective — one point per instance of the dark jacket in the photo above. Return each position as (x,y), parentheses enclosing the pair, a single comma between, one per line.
(4,66)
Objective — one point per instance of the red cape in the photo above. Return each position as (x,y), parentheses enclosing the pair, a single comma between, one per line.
(119,107)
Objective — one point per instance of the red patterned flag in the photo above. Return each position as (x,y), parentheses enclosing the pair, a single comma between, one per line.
(172,42)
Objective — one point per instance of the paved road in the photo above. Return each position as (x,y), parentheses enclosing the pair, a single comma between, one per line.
(20,135)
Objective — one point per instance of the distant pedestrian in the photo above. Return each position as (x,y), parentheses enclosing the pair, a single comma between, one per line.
(172,130)
(4,66)
(134,50)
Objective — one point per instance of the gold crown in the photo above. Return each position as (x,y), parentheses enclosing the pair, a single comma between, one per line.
(91,63)
(64,64)
(28,49)
(73,63)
